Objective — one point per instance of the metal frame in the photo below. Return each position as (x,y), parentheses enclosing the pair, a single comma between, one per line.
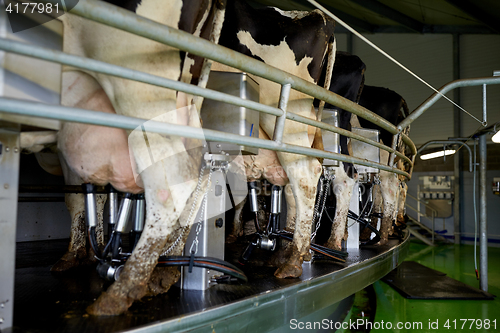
(273,310)
(9,180)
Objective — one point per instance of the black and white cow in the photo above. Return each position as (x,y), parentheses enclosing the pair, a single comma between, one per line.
(348,82)
(168,205)
(390,195)
(293,41)
(296,42)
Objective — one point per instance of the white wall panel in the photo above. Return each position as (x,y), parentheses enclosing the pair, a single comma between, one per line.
(479,57)
(428,56)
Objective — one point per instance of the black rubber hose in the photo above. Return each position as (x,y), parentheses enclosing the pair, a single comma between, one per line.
(205,262)
(93,242)
(333,254)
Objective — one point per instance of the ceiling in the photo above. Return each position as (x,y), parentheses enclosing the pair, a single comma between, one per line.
(406,16)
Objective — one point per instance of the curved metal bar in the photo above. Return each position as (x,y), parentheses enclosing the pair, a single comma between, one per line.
(341,131)
(35,109)
(448,142)
(443,90)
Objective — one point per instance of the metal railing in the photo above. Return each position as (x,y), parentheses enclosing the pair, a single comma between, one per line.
(420,214)
(125,20)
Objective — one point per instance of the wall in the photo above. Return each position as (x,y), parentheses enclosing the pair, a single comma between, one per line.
(431,58)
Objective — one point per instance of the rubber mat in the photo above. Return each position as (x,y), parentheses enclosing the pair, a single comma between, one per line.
(415,281)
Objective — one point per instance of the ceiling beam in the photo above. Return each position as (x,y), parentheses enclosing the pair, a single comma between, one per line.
(355,22)
(474,11)
(392,14)
(438,29)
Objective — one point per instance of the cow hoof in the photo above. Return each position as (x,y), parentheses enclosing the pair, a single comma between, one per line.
(109,305)
(383,241)
(292,268)
(71,260)
(337,246)
(162,279)
(280,257)
(288,271)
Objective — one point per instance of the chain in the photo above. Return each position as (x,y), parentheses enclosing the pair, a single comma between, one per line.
(196,194)
(199,225)
(323,194)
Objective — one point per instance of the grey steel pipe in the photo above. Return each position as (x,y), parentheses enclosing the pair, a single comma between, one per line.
(105,68)
(113,209)
(90,205)
(483,225)
(140,211)
(444,89)
(279,126)
(124,214)
(331,128)
(118,71)
(35,109)
(485,115)
(127,21)
(448,142)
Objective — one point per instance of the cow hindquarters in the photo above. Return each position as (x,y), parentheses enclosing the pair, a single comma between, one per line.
(168,183)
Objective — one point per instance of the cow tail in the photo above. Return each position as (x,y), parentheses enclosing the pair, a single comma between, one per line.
(220,10)
(332,48)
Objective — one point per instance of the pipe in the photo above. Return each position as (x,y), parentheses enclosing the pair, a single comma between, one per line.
(105,68)
(485,120)
(483,232)
(448,142)
(279,126)
(118,71)
(36,109)
(443,90)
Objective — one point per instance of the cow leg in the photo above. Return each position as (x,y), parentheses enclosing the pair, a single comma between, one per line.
(77,253)
(303,173)
(285,251)
(237,223)
(401,204)
(377,207)
(342,189)
(389,186)
(168,183)
(163,278)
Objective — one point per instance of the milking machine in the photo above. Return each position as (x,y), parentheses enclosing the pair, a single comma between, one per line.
(267,239)
(204,259)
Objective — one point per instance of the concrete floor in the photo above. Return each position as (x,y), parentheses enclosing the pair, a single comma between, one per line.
(457,261)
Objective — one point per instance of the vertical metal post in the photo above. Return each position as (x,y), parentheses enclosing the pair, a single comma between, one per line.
(279,127)
(9,179)
(457,132)
(485,120)
(483,230)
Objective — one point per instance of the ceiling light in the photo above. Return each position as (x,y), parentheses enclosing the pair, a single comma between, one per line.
(496,137)
(438,154)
